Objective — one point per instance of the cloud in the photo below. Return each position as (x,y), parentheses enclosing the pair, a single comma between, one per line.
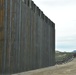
(55,3)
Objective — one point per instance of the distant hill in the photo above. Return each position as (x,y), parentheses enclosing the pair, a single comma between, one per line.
(74,51)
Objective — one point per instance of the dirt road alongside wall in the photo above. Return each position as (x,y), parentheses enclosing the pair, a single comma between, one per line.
(64,69)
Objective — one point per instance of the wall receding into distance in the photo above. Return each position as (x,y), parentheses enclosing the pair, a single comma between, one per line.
(27,37)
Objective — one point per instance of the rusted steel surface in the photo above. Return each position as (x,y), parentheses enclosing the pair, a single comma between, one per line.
(1,31)
(27,37)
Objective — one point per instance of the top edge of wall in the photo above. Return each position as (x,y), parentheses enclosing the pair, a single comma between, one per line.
(37,10)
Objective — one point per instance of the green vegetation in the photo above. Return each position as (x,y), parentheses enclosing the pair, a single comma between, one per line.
(62,57)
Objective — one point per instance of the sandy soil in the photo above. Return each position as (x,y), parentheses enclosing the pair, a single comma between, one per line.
(64,69)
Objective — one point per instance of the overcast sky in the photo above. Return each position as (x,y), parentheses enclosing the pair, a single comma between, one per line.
(63,14)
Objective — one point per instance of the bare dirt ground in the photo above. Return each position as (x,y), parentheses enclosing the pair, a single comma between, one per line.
(64,69)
